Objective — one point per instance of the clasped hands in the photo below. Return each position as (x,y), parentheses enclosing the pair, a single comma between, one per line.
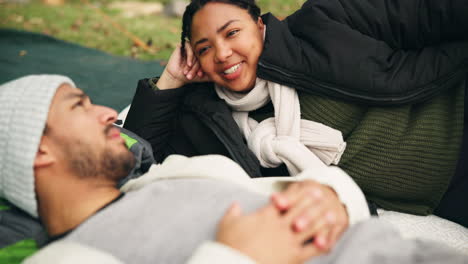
(299,223)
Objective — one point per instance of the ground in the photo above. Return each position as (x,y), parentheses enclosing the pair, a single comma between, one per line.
(99,24)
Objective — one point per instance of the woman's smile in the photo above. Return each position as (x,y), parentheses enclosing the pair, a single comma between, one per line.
(228,47)
(232,72)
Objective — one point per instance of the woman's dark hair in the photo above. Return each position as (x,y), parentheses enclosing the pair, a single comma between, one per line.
(196,5)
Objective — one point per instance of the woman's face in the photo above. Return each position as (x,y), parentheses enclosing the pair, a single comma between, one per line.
(227,43)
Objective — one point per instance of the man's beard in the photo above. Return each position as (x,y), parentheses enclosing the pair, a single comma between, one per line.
(106,164)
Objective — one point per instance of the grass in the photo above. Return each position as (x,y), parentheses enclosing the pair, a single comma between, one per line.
(83,24)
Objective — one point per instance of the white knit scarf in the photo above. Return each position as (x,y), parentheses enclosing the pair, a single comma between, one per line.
(284,138)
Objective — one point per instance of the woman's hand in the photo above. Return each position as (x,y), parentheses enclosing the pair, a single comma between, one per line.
(265,236)
(179,72)
(320,212)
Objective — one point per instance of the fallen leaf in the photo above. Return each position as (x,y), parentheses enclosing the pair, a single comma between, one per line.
(36,21)
(18,18)
(77,24)
(27,25)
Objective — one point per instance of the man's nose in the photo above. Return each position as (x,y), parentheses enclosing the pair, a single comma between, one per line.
(107,115)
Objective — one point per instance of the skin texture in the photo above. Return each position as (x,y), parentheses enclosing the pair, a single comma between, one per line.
(241,41)
(98,150)
(318,211)
(220,42)
(265,236)
(305,211)
(71,188)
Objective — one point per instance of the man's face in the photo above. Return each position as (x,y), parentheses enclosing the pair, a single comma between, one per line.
(83,137)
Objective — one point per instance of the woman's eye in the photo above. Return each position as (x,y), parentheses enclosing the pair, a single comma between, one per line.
(232,32)
(202,50)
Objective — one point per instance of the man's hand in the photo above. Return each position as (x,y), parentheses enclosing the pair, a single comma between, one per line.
(319,211)
(266,235)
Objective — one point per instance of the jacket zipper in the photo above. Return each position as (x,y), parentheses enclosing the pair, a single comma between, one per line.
(347,95)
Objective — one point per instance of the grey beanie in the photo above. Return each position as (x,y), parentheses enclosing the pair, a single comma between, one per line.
(24,106)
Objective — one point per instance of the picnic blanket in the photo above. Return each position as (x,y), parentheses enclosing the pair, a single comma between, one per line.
(109,80)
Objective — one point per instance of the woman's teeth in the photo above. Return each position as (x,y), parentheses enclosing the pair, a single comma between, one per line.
(232,69)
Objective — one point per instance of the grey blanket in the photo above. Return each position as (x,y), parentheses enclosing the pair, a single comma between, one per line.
(165,221)
(375,241)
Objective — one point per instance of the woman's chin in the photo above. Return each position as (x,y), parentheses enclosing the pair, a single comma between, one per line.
(240,88)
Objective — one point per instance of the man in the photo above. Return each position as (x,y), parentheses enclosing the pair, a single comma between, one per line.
(61,158)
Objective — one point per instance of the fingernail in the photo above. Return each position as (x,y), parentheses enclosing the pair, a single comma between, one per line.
(300,224)
(189,76)
(321,241)
(281,201)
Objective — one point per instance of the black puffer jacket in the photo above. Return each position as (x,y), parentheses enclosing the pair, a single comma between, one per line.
(189,121)
(377,52)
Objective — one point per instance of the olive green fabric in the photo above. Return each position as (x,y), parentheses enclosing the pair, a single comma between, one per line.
(402,157)
(16,253)
(109,80)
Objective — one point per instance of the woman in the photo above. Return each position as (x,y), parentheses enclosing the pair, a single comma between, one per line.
(389,75)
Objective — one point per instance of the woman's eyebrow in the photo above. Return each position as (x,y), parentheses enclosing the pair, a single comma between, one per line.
(226,25)
(217,31)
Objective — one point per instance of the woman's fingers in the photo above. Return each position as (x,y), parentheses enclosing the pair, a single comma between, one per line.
(200,73)
(191,67)
(193,71)
(190,58)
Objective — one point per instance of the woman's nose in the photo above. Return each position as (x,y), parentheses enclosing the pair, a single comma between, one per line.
(223,52)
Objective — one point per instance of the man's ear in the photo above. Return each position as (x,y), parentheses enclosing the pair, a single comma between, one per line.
(44,156)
